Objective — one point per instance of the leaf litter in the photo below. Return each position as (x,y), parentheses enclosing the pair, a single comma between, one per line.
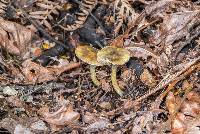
(49,90)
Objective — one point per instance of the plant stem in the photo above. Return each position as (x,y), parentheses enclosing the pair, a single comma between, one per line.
(114,80)
(93,75)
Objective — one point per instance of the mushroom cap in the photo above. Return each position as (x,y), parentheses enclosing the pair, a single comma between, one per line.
(113,55)
(87,54)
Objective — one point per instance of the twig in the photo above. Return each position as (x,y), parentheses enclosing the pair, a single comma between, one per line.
(170,77)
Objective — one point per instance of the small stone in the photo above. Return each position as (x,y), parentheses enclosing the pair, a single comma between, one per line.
(9,91)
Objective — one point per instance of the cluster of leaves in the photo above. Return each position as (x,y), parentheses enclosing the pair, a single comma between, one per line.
(162,37)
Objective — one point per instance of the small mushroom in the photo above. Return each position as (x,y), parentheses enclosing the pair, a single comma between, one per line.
(115,56)
(88,54)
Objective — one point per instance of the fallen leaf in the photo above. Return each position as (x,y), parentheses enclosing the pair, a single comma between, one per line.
(105,85)
(88,117)
(35,73)
(141,52)
(14,37)
(176,25)
(193,96)
(147,78)
(62,117)
(171,103)
(105,105)
(178,125)
(128,75)
(190,108)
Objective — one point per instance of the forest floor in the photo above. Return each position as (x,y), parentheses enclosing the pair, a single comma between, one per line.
(100,66)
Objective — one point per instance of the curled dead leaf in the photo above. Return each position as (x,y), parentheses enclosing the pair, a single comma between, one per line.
(64,116)
(36,73)
(14,37)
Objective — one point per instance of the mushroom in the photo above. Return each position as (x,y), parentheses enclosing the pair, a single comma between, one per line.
(114,56)
(88,54)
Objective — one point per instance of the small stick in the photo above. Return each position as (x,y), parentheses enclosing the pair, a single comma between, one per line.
(170,77)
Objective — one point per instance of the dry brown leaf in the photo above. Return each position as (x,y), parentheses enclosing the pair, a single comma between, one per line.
(172,75)
(140,52)
(162,62)
(62,117)
(128,75)
(178,125)
(190,108)
(158,6)
(147,78)
(171,103)
(176,25)
(45,12)
(16,72)
(105,105)
(193,126)
(193,96)
(119,41)
(35,73)
(88,117)
(14,101)
(14,37)
(2,8)
(179,121)
(128,104)
(141,122)
(187,86)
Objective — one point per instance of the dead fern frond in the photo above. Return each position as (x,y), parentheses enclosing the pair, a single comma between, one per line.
(86,7)
(3,7)
(124,13)
(45,12)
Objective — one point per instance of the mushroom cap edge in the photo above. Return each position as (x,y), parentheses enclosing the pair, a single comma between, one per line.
(87,54)
(113,55)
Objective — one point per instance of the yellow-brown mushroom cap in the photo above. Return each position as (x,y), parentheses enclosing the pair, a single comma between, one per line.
(87,54)
(113,55)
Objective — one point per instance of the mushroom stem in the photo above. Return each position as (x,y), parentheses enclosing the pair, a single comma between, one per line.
(114,80)
(93,75)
